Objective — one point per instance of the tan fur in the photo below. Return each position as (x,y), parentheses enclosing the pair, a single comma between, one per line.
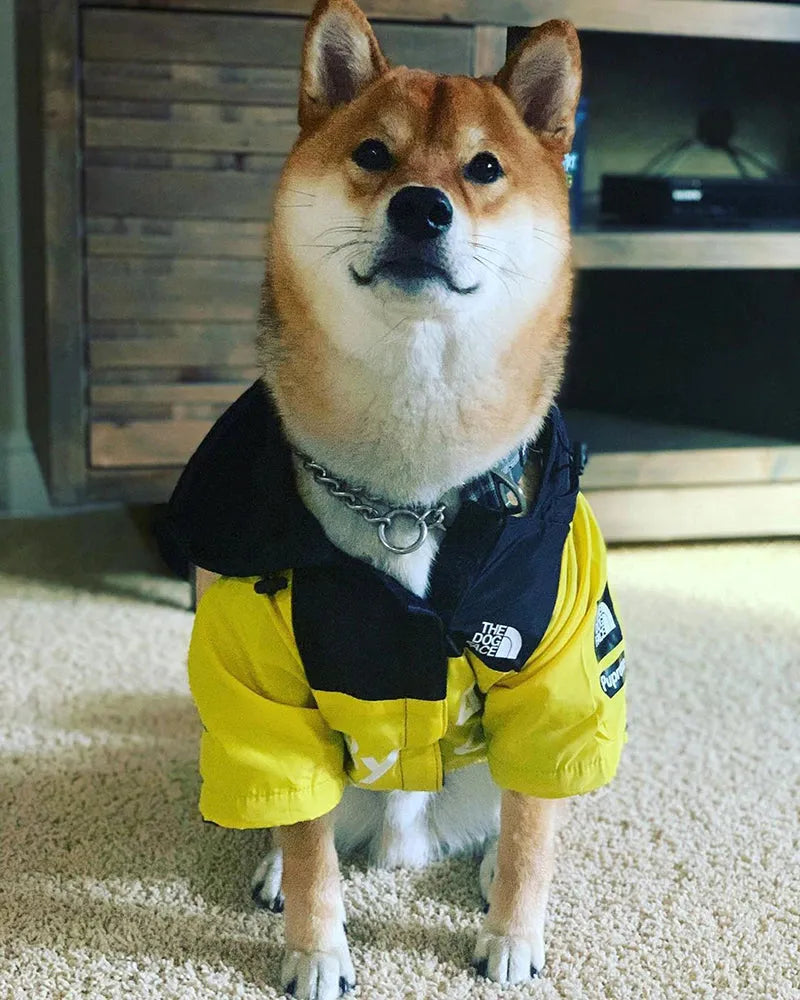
(313,907)
(525,857)
(203,578)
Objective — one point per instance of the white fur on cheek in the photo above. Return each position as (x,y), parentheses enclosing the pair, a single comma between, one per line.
(324,238)
(518,254)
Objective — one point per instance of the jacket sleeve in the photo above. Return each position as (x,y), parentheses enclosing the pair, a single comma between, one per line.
(556,728)
(267,756)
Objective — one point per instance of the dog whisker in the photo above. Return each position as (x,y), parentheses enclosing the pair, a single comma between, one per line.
(533,229)
(493,267)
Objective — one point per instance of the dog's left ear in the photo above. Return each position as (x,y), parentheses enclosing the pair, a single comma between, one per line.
(543,79)
(341,57)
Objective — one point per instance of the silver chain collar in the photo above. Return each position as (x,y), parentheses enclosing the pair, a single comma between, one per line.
(358,501)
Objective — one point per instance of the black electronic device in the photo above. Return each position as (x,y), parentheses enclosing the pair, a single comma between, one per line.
(700,202)
(655,198)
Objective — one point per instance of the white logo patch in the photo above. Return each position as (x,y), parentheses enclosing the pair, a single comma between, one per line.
(604,623)
(613,677)
(500,641)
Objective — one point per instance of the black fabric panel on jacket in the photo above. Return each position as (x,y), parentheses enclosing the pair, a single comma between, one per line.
(236,510)
(355,636)
(517,585)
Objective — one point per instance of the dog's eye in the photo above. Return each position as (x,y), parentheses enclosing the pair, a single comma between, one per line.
(372,154)
(484,168)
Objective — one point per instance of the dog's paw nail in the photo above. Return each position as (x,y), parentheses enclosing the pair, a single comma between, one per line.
(272,903)
(318,975)
(482,967)
(485,907)
(265,885)
(534,972)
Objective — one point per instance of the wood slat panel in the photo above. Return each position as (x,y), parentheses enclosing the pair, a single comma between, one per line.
(196,194)
(136,345)
(195,113)
(145,442)
(191,82)
(150,159)
(127,132)
(193,291)
(171,394)
(702,18)
(164,37)
(135,378)
(177,268)
(133,485)
(146,36)
(108,236)
(123,414)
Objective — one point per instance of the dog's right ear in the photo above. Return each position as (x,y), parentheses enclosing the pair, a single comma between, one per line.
(341,56)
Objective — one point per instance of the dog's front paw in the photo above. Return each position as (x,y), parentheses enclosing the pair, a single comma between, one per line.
(318,975)
(265,885)
(509,958)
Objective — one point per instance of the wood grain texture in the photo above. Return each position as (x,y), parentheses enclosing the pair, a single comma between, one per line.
(206,113)
(230,40)
(63,290)
(701,18)
(107,236)
(145,442)
(136,158)
(131,345)
(189,194)
(214,39)
(186,290)
(158,82)
(139,485)
(276,138)
(171,394)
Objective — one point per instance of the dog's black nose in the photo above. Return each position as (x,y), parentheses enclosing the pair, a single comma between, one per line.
(420,213)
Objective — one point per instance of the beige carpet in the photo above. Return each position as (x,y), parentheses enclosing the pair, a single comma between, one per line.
(681,880)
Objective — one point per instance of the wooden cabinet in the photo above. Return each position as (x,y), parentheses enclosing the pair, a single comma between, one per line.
(165,125)
(166,129)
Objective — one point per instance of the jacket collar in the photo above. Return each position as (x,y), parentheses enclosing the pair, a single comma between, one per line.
(236,509)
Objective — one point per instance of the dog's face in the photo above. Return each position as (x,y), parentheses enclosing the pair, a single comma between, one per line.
(423,214)
(428,195)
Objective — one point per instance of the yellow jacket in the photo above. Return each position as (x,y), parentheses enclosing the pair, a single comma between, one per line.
(276,751)
(331,672)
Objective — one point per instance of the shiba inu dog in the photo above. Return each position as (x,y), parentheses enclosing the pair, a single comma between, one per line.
(412,647)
